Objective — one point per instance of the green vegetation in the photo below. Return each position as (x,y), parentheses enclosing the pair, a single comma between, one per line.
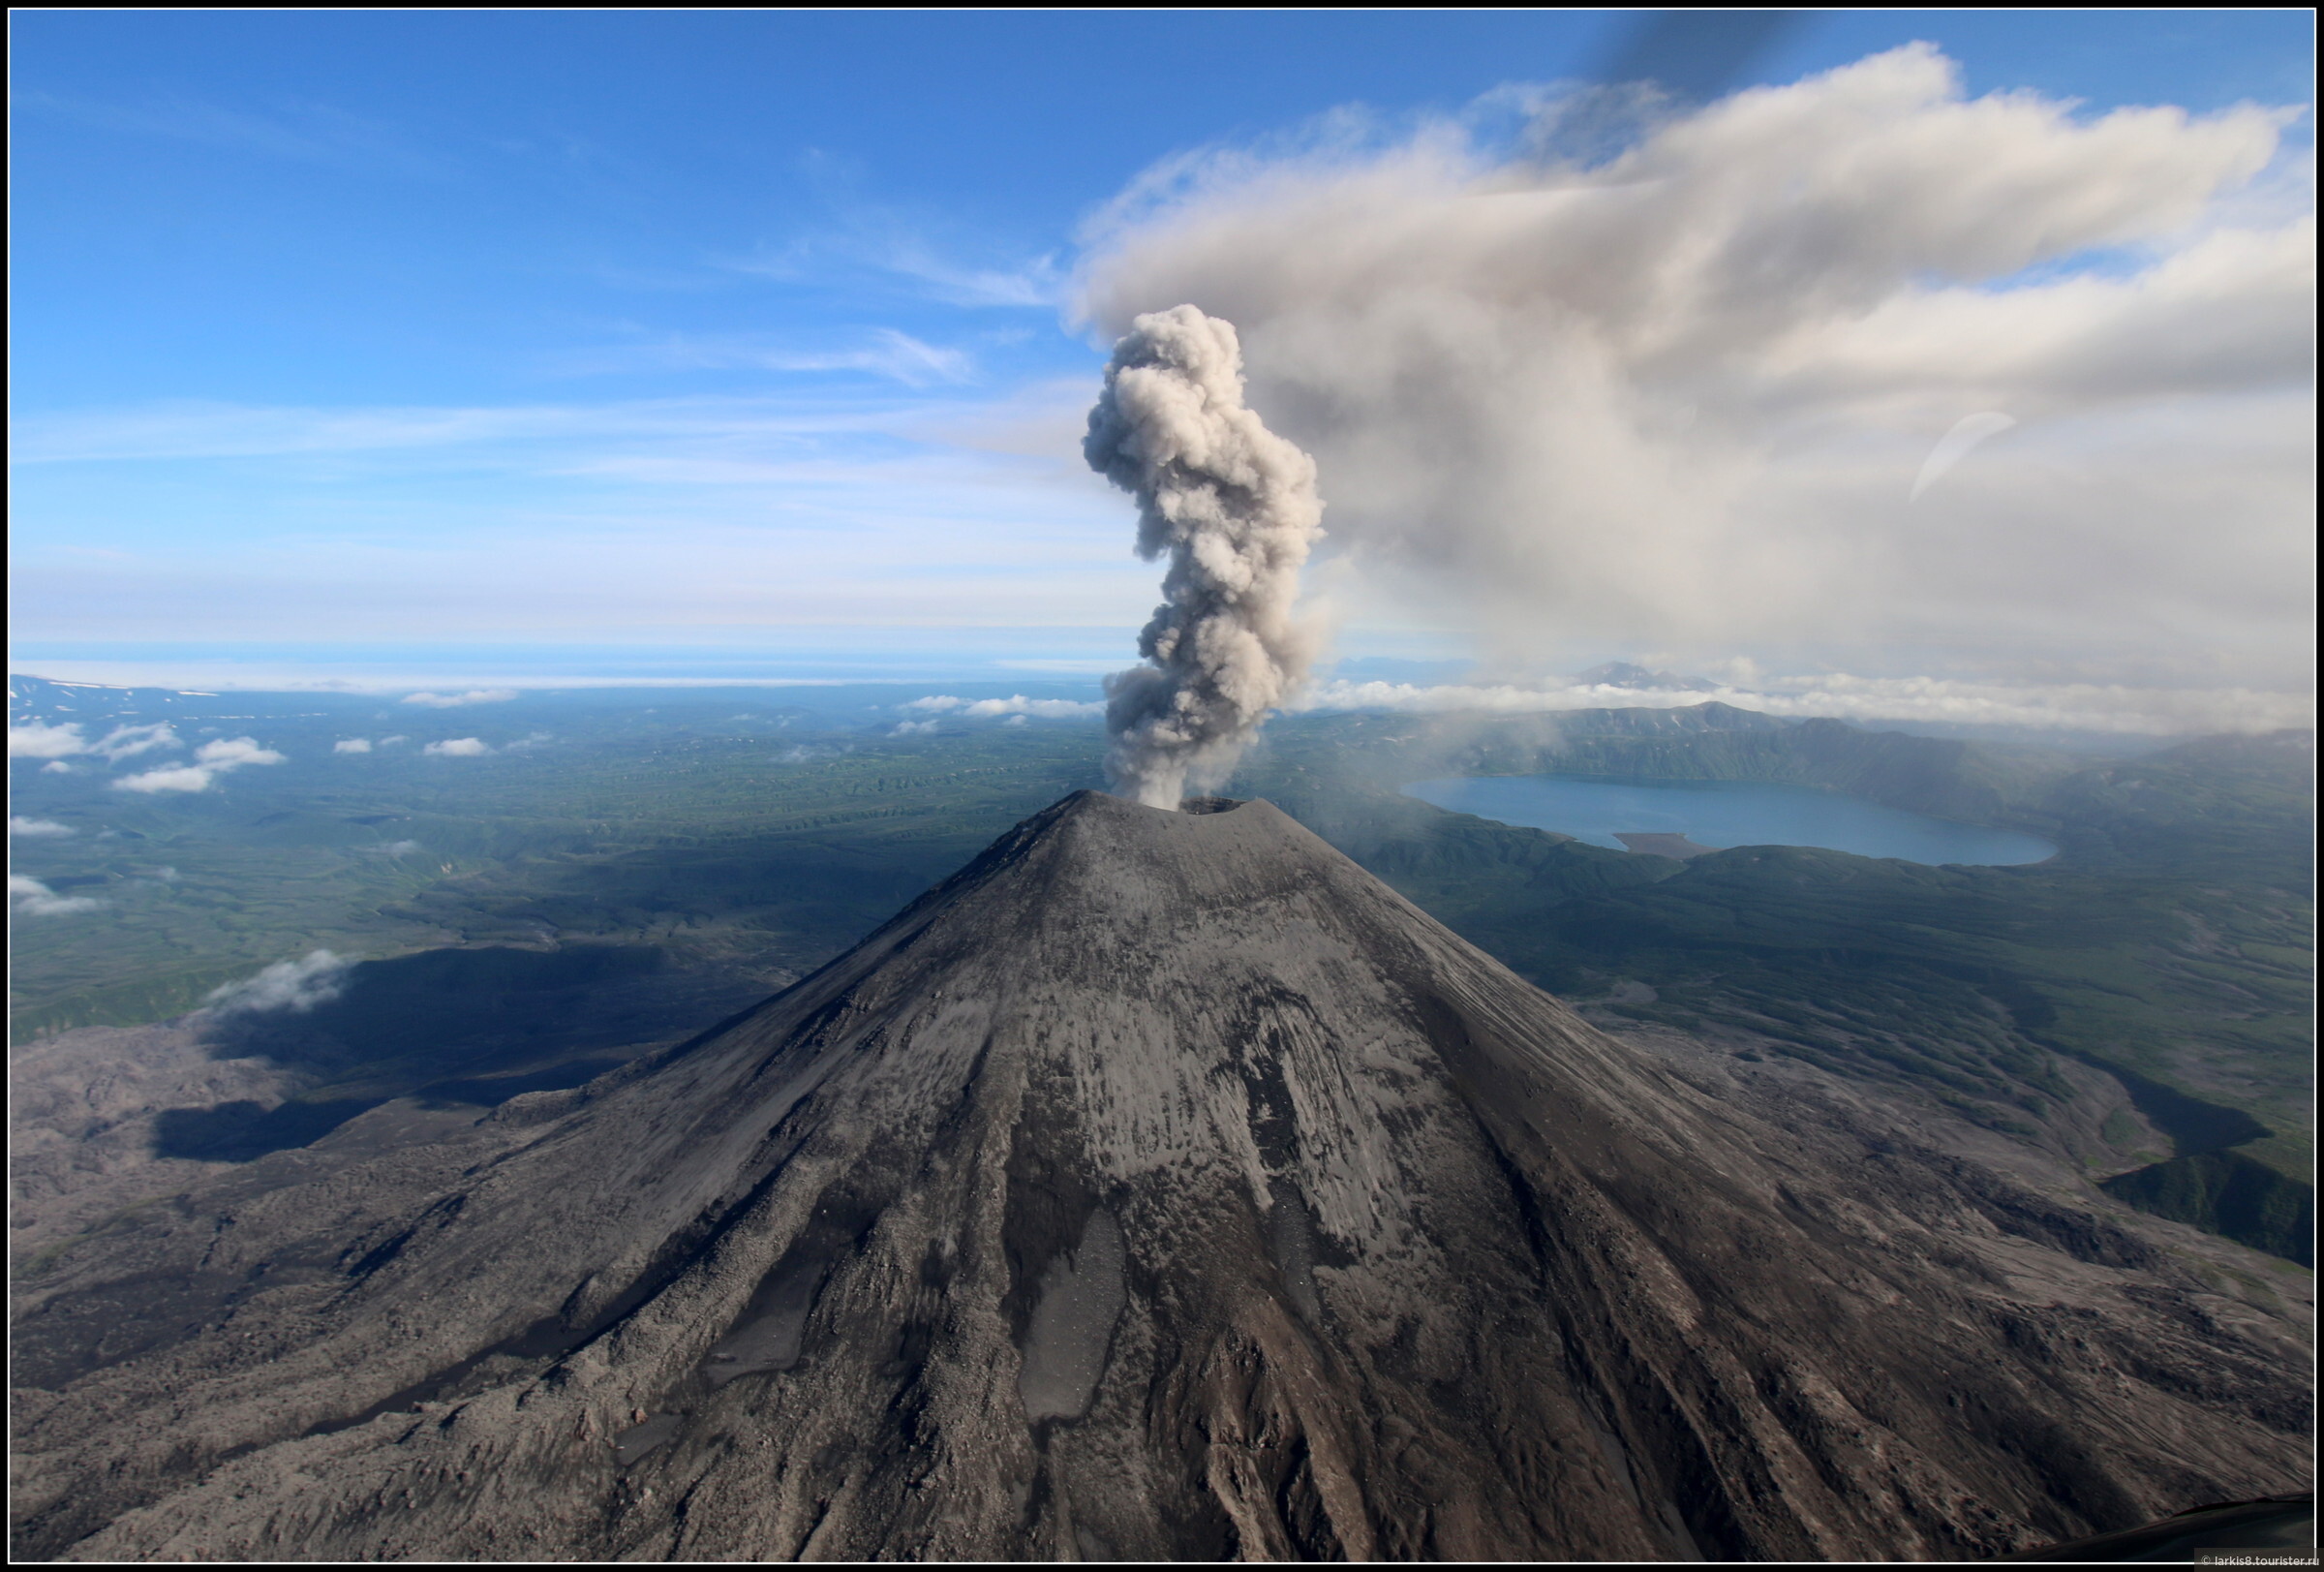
(731,852)
(2227,1193)
(2169,942)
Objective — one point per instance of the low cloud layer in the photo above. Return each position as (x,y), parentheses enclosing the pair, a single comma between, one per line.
(41,740)
(1923,700)
(298,986)
(457,748)
(37,828)
(451,701)
(30,898)
(1681,400)
(352,744)
(210,760)
(1047,709)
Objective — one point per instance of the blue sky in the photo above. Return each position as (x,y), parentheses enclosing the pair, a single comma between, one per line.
(721,328)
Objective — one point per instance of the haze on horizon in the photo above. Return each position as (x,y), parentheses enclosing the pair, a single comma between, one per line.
(773,334)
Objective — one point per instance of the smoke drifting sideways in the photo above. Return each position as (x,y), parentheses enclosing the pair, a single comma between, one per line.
(1670,404)
(1234,507)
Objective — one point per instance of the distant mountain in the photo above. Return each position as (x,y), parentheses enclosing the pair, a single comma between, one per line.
(1162,1185)
(1978,782)
(1623,674)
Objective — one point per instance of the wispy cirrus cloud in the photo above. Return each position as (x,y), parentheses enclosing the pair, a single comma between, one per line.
(194,429)
(871,243)
(1039,283)
(305,132)
(886,351)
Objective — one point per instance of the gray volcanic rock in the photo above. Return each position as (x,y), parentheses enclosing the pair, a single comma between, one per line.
(1162,1185)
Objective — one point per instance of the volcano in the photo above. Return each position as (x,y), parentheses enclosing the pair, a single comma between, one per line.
(1162,1185)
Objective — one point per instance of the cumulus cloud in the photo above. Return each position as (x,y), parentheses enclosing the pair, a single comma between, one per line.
(907,729)
(128,742)
(298,986)
(457,748)
(452,702)
(210,760)
(399,849)
(232,752)
(30,898)
(352,744)
(184,778)
(36,828)
(56,767)
(1047,709)
(1676,399)
(39,740)
(390,742)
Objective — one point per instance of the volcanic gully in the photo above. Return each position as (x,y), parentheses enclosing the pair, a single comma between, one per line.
(1161,1186)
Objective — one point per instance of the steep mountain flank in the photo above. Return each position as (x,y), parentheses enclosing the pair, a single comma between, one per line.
(1161,1186)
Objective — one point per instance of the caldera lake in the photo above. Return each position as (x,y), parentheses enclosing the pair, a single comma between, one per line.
(1685,819)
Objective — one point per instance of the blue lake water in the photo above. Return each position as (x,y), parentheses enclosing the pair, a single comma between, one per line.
(1728,814)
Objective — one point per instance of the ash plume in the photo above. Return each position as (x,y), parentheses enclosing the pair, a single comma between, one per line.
(1234,507)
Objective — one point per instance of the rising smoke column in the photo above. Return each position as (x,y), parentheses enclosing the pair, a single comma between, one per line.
(1235,506)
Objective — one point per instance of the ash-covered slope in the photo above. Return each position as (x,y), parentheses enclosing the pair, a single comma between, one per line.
(1161,1186)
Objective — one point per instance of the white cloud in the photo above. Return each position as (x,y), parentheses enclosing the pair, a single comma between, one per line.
(184,778)
(457,748)
(1016,704)
(530,739)
(56,767)
(1677,399)
(2063,706)
(298,986)
(233,752)
(449,701)
(399,849)
(352,744)
(128,742)
(907,729)
(210,760)
(39,740)
(37,827)
(895,355)
(30,898)
(389,742)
